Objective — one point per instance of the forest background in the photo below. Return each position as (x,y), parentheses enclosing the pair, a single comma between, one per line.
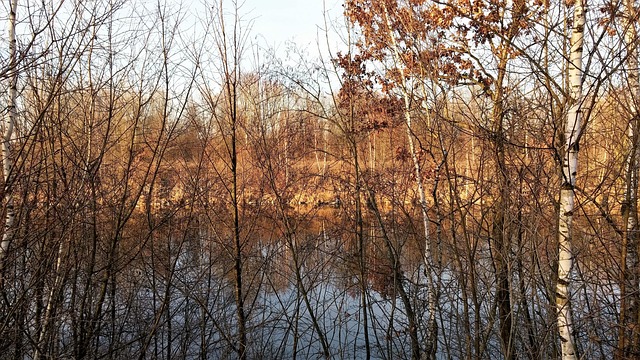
(455,179)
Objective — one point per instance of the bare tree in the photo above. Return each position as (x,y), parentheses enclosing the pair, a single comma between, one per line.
(572,132)
(8,126)
(629,342)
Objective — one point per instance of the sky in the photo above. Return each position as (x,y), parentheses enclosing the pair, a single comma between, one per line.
(278,22)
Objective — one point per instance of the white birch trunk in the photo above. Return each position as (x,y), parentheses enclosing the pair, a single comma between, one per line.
(432,300)
(7,136)
(569,171)
(630,39)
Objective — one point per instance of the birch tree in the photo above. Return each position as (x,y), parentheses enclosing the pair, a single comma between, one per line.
(385,47)
(7,137)
(572,132)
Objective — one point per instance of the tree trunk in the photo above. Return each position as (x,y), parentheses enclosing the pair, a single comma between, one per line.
(628,342)
(572,133)
(7,135)
(500,242)
(430,268)
(362,261)
(237,241)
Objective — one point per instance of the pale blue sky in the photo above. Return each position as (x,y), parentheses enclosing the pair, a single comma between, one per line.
(278,21)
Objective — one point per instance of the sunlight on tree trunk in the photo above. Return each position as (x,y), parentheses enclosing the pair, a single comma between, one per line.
(430,268)
(7,139)
(572,134)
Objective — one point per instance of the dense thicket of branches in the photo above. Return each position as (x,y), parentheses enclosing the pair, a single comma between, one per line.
(171,191)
